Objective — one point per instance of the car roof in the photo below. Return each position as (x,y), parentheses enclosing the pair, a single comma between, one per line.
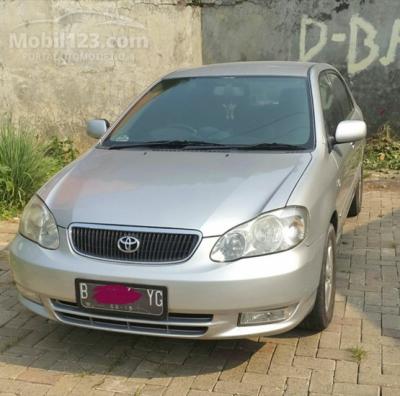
(296,69)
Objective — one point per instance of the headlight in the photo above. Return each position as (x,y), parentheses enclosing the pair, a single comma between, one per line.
(38,224)
(271,232)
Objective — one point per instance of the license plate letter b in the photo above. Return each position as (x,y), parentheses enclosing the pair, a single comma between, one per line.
(83,291)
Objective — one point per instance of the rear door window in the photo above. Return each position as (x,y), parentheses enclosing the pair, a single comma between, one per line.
(341,95)
(332,109)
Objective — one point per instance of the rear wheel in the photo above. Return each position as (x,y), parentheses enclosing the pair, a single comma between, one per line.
(321,315)
(356,204)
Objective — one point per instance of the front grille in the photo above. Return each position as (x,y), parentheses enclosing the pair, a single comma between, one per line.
(184,325)
(157,246)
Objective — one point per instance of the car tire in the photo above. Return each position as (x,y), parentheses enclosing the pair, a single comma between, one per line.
(321,315)
(356,204)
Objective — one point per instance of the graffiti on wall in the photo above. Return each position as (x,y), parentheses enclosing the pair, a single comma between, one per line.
(362,36)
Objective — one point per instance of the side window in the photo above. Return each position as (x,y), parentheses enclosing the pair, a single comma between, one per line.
(332,110)
(341,94)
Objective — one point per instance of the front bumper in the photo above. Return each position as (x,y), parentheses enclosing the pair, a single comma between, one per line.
(204,297)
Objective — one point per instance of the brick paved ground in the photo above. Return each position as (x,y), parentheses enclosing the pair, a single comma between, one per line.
(38,357)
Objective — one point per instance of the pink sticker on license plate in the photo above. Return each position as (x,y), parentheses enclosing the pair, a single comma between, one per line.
(115,294)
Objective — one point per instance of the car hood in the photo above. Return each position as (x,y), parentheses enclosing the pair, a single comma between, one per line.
(207,191)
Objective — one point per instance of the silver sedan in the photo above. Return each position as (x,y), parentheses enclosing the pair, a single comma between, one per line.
(210,209)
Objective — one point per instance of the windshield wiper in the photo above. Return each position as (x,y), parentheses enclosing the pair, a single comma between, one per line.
(166,144)
(271,146)
(195,144)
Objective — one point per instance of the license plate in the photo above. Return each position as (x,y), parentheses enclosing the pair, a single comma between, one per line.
(135,300)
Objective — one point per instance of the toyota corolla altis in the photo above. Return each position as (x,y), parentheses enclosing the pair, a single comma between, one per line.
(210,209)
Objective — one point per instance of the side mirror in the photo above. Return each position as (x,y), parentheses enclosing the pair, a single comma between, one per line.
(97,128)
(350,131)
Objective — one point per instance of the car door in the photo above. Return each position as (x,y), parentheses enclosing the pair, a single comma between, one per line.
(341,153)
(345,102)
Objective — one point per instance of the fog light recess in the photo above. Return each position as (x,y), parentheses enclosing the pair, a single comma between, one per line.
(265,317)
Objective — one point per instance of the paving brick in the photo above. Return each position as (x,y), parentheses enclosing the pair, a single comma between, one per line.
(179,386)
(86,384)
(233,371)
(314,363)
(321,381)
(329,340)
(346,372)
(382,309)
(371,359)
(11,371)
(206,381)
(259,364)
(115,384)
(21,388)
(267,391)
(297,387)
(289,371)
(390,391)
(268,380)
(371,327)
(308,345)
(351,335)
(355,389)
(283,355)
(64,385)
(203,393)
(373,377)
(391,321)
(274,386)
(280,340)
(6,316)
(391,355)
(391,333)
(152,390)
(391,369)
(336,354)
(237,388)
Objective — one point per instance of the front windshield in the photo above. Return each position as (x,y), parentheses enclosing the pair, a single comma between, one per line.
(245,111)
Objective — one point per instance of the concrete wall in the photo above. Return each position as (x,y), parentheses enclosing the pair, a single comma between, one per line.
(360,37)
(62,62)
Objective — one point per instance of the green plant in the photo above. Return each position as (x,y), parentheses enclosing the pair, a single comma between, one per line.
(23,165)
(383,150)
(358,353)
(62,150)
(27,162)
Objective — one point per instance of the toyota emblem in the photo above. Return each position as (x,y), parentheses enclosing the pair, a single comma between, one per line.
(128,244)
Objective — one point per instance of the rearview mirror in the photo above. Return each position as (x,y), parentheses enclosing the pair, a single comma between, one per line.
(97,128)
(350,131)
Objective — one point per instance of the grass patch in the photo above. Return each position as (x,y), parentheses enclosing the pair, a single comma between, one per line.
(358,353)
(26,163)
(382,152)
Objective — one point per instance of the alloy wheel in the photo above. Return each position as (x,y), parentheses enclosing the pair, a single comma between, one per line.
(328,276)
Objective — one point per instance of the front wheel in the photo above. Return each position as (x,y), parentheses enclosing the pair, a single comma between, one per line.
(321,315)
